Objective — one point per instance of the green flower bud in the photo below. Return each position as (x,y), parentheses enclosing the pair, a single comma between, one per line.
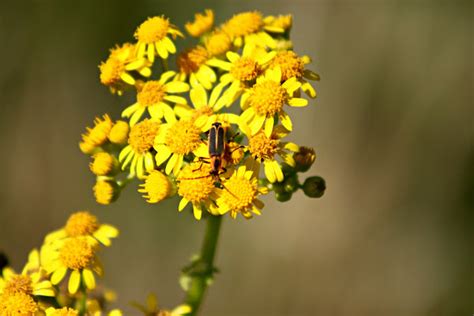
(291,183)
(284,196)
(304,158)
(314,187)
(277,187)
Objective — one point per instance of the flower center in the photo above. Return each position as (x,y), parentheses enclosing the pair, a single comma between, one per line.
(103,192)
(189,61)
(268,97)
(142,135)
(218,43)
(195,184)
(262,147)
(290,64)
(245,69)
(243,24)
(183,137)
(76,253)
(81,224)
(156,186)
(240,193)
(17,304)
(152,93)
(19,283)
(111,70)
(152,30)
(102,164)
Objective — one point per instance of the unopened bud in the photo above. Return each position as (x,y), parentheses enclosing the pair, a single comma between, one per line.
(106,192)
(304,158)
(119,133)
(314,187)
(291,183)
(283,196)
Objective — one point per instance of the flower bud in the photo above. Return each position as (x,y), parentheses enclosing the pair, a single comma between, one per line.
(314,187)
(103,164)
(105,192)
(304,158)
(119,133)
(291,183)
(283,196)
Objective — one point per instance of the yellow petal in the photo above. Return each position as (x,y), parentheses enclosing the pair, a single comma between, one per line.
(163,153)
(74,282)
(151,52)
(269,172)
(269,126)
(198,97)
(58,275)
(298,102)
(286,121)
(182,204)
(89,279)
(176,87)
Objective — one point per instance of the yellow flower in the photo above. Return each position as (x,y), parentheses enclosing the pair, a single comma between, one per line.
(265,149)
(202,23)
(27,283)
(84,224)
(292,65)
(114,72)
(152,36)
(175,140)
(105,192)
(96,136)
(119,133)
(196,185)
(278,24)
(157,187)
(192,65)
(239,195)
(204,112)
(249,27)
(153,96)
(218,43)
(152,308)
(65,311)
(267,98)
(138,151)
(74,254)
(17,304)
(102,164)
(242,70)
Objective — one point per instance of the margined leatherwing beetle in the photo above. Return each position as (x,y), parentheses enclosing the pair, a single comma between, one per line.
(218,150)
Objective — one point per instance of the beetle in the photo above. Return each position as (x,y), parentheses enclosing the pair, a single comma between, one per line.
(218,150)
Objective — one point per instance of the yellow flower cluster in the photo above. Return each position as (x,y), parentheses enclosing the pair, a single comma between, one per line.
(182,135)
(69,253)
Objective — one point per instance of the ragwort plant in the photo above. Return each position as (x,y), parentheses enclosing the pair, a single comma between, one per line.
(210,129)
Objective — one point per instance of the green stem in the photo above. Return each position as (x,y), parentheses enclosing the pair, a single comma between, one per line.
(199,282)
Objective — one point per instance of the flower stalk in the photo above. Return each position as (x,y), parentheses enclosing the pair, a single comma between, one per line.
(202,278)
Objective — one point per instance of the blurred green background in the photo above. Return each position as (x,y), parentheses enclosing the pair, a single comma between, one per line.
(392,127)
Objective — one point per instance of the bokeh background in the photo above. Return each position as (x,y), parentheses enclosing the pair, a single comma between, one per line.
(392,127)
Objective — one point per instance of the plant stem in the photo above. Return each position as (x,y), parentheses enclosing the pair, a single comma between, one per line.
(199,282)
